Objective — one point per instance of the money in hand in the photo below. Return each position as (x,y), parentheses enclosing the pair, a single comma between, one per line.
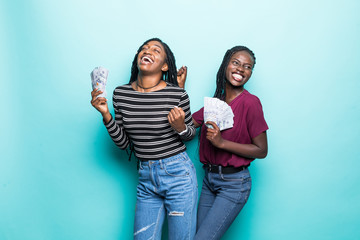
(98,79)
(218,112)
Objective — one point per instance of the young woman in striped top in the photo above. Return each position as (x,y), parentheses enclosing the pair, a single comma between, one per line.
(152,114)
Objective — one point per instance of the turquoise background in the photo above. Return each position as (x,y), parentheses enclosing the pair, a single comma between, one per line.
(61,177)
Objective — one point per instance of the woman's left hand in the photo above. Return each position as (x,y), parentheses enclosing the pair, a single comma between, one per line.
(181,76)
(176,118)
(214,135)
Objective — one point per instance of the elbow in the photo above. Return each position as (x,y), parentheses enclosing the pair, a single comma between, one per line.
(262,154)
(123,145)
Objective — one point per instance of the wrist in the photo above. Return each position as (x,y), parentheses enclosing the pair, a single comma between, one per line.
(184,131)
(106,117)
(221,144)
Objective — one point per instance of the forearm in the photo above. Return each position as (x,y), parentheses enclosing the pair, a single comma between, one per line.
(190,128)
(244,150)
(106,117)
(185,105)
(117,133)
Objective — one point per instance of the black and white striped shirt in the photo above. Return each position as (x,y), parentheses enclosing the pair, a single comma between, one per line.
(142,118)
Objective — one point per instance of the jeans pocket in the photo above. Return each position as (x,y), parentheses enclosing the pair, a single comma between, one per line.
(241,176)
(177,168)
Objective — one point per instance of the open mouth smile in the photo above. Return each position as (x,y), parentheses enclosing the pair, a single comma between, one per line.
(237,77)
(146,60)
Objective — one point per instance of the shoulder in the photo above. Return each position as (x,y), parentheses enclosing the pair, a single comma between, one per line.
(250,99)
(174,88)
(123,88)
(122,91)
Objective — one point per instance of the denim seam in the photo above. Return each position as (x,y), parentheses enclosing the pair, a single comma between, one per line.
(224,219)
(157,222)
(192,176)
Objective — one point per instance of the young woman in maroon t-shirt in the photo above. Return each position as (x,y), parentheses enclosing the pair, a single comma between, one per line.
(226,155)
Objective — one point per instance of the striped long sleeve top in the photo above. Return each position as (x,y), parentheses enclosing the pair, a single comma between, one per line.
(142,119)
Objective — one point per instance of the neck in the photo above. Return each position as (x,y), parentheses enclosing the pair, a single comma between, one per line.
(232,92)
(148,83)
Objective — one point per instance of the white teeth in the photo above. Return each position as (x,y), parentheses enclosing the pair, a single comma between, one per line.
(237,76)
(146,58)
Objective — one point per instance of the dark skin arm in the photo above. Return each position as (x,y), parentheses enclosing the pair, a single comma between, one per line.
(101,105)
(257,149)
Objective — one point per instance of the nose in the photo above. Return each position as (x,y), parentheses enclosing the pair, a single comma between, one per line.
(240,68)
(146,50)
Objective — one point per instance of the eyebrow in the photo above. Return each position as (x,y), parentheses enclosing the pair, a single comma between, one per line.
(234,58)
(159,46)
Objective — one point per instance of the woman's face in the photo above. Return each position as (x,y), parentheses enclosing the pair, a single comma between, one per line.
(239,69)
(152,58)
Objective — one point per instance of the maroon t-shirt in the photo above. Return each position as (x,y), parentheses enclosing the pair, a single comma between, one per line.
(249,122)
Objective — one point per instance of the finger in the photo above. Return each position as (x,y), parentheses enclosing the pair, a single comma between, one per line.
(180,71)
(171,117)
(210,138)
(172,113)
(181,111)
(185,71)
(178,108)
(93,91)
(102,100)
(213,125)
(176,111)
(99,101)
(95,94)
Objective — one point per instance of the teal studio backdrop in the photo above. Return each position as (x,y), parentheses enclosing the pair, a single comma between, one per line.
(62,178)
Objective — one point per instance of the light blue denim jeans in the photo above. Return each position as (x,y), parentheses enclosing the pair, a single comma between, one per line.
(221,200)
(166,187)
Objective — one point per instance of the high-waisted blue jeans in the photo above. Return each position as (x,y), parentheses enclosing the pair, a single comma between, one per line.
(222,198)
(167,186)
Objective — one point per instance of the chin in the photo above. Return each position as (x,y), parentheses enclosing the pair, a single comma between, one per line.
(235,84)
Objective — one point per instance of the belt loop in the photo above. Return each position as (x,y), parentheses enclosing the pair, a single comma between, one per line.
(161,164)
(220,169)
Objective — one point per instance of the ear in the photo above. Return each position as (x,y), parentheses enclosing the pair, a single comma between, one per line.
(165,67)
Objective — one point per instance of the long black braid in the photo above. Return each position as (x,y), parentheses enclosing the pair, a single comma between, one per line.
(169,76)
(221,74)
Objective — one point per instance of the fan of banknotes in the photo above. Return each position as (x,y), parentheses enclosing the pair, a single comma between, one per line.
(218,112)
(98,79)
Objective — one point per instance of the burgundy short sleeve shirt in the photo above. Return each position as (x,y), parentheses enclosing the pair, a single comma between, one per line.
(249,122)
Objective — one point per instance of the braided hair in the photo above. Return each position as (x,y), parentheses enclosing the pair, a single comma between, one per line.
(221,74)
(170,76)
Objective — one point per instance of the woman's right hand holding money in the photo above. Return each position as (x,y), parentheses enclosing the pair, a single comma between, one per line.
(100,104)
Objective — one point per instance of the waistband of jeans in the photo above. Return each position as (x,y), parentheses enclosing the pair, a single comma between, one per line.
(174,157)
(226,170)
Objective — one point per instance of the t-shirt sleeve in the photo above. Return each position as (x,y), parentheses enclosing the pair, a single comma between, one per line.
(115,127)
(255,118)
(185,105)
(199,116)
